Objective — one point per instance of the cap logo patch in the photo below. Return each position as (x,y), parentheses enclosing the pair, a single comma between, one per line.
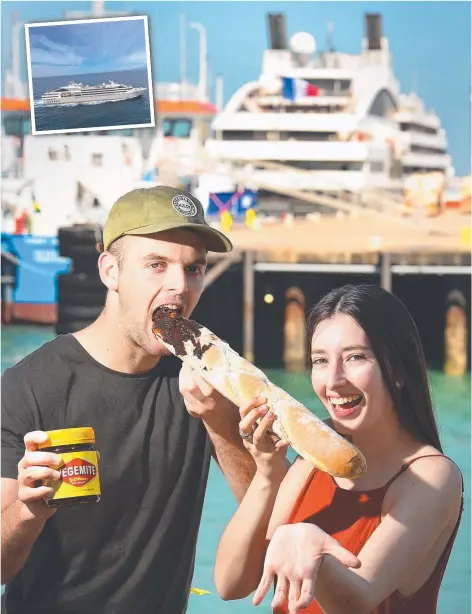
(184,205)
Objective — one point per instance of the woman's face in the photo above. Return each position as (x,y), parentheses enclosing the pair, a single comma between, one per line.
(346,376)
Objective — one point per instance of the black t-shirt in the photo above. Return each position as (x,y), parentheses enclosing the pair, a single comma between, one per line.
(132,552)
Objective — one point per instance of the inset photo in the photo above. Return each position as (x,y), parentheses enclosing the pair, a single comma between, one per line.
(91,74)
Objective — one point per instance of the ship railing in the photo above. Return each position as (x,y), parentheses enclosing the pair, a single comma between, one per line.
(377,202)
(339,196)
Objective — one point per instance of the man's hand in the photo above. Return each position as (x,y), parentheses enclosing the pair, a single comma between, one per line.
(203,401)
(221,420)
(24,511)
(33,468)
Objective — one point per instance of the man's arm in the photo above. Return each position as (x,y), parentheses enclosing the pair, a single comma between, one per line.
(229,452)
(18,533)
(221,419)
(24,512)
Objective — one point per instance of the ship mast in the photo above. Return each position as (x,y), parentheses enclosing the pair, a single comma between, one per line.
(97,10)
(13,86)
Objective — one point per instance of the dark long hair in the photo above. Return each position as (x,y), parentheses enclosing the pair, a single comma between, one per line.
(397,347)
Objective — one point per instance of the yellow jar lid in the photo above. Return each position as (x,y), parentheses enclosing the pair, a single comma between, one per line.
(65,437)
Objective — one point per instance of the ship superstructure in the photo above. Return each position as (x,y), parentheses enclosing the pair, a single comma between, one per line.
(326,120)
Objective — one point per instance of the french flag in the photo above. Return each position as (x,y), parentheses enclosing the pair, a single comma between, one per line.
(292,89)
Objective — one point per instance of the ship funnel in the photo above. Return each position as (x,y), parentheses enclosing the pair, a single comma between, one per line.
(277,31)
(373,31)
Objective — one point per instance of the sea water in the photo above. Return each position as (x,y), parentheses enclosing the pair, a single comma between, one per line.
(452,402)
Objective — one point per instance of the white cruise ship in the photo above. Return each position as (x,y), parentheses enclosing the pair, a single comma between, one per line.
(77,93)
(324,121)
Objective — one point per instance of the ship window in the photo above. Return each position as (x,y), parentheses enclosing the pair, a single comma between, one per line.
(178,128)
(331,87)
(382,105)
(309,136)
(426,150)
(16,125)
(328,165)
(97,159)
(412,127)
(407,170)
(244,135)
(262,135)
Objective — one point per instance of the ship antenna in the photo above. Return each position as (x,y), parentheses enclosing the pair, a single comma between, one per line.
(183,50)
(330,37)
(15,83)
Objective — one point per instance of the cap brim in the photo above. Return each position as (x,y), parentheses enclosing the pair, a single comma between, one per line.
(215,240)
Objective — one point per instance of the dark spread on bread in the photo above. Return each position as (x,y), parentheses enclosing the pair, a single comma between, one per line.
(175,330)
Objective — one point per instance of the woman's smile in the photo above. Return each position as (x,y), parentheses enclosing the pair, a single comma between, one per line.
(342,407)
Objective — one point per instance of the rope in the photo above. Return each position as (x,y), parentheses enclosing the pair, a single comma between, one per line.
(14,260)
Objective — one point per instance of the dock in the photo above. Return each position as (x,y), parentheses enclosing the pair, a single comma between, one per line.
(346,238)
(359,243)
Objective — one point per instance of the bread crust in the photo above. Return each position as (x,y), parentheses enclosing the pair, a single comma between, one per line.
(240,381)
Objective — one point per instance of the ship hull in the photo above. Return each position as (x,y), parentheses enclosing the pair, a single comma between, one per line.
(30,266)
(86,99)
(34,313)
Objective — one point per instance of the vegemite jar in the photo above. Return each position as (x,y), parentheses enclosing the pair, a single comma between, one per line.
(79,481)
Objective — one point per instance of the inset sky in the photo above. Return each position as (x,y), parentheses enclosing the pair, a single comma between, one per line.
(84,48)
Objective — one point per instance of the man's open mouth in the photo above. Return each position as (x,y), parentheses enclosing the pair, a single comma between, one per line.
(170,326)
(167,309)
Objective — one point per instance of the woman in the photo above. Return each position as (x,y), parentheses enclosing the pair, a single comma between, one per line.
(378,544)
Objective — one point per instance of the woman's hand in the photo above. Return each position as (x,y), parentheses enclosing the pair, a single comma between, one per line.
(265,447)
(294,555)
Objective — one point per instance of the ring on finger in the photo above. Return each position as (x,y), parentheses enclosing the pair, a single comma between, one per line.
(246,436)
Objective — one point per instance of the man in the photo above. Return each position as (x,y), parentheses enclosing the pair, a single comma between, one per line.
(134,550)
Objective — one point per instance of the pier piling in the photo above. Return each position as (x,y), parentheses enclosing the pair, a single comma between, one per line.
(248,305)
(386,271)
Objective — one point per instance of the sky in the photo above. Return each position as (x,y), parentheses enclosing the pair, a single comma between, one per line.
(84,48)
(430,43)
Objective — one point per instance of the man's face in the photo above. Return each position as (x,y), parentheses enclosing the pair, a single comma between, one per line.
(165,268)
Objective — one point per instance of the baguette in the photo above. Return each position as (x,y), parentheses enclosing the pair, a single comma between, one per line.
(240,381)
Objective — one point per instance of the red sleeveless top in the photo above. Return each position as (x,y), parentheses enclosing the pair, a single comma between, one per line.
(351,516)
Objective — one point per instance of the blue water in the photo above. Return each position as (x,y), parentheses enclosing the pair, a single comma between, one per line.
(452,401)
(101,115)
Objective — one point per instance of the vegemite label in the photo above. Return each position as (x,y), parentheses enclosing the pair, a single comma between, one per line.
(79,475)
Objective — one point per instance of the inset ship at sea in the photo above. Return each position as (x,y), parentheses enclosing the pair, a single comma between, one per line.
(78,93)
(70,97)
(77,102)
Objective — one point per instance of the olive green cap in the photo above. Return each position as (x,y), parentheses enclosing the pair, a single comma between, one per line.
(149,210)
